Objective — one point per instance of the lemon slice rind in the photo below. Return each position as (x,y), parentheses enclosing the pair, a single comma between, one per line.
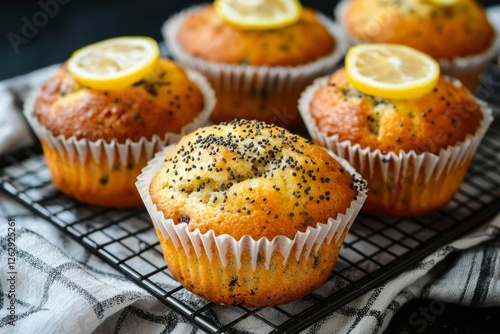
(444,3)
(397,84)
(232,13)
(115,63)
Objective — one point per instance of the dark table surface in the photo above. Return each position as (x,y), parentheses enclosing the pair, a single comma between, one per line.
(75,23)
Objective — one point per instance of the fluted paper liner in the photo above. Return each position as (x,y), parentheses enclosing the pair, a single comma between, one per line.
(467,68)
(113,150)
(184,239)
(237,80)
(394,166)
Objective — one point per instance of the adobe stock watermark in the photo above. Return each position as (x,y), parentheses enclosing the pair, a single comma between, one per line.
(489,84)
(378,21)
(30,27)
(283,117)
(11,270)
(424,316)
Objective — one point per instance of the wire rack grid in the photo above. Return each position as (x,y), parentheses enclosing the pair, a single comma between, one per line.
(374,251)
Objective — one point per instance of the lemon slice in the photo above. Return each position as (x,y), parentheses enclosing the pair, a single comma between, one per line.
(259,14)
(391,71)
(115,63)
(444,3)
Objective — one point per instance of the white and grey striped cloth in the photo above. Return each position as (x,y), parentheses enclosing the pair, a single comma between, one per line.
(62,288)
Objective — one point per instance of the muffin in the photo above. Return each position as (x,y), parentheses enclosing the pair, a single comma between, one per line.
(250,214)
(414,153)
(459,36)
(97,141)
(257,74)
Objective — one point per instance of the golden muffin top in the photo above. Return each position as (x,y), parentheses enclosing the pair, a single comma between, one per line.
(444,32)
(164,101)
(206,35)
(442,117)
(251,178)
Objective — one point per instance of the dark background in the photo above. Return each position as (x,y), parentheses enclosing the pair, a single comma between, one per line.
(80,22)
(76,23)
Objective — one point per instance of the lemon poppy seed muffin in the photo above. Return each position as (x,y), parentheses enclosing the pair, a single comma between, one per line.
(414,153)
(204,34)
(269,195)
(445,32)
(430,123)
(257,74)
(163,102)
(96,141)
(274,182)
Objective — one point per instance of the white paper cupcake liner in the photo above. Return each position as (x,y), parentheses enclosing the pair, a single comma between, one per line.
(405,165)
(338,15)
(243,79)
(493,13)
(458,67)
(114,150)
(263,249)
(463,67)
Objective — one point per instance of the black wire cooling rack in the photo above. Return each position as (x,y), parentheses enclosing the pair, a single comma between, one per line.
(374,251)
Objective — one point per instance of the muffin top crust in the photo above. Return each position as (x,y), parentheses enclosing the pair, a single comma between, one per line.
(204,34)
(443,32)
(164,101)
(251,178)
(434,121)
